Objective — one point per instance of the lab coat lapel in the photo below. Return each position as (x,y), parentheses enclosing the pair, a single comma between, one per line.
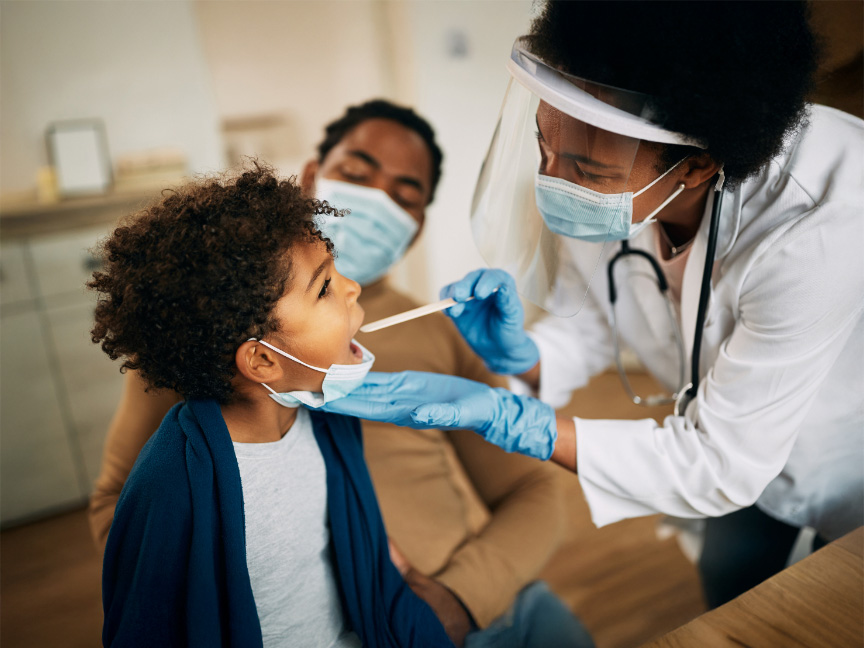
(727,234)
(690,288)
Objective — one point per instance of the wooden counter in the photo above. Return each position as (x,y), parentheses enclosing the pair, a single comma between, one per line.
(816,602)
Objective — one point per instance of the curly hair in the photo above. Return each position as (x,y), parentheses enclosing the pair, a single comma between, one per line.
(192,276)
(383,109)
(734,75)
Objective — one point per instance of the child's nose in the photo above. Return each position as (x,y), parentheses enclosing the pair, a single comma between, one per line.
(352,289)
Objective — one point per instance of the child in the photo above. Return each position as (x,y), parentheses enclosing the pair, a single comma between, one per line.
(246,520)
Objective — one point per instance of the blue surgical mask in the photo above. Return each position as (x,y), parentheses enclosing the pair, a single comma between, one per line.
(372,237)
(339,380)
(577,212)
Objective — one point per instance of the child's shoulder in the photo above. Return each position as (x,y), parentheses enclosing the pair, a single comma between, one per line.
(328,421)
(161,467)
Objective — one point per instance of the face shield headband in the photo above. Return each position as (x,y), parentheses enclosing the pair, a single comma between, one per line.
(567,141)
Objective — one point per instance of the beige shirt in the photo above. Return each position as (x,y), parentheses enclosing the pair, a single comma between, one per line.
(479,520)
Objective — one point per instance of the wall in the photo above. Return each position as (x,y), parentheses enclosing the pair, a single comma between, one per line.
(169,73)
(304,62)
(137,65)
(458,52)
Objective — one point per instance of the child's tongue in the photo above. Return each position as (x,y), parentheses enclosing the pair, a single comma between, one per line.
(355,350)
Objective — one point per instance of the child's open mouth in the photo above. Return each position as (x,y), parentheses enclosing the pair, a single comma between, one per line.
(355,351)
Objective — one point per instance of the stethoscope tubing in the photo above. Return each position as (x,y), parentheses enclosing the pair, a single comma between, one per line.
(704,297)
(687,392)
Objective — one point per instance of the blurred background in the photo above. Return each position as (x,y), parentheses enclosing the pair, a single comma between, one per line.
(148,92)
(175,88)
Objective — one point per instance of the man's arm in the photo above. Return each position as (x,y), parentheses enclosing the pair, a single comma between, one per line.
(138,415)
(527,516)
(526,526)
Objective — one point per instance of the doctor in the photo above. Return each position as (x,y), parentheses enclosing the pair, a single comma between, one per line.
(657,182)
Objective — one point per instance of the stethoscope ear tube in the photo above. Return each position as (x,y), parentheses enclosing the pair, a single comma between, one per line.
(689,393)
(662,284)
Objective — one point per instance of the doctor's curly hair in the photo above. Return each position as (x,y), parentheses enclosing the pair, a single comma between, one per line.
(188,279)
(734,75)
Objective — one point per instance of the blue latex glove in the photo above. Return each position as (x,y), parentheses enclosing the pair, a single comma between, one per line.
(427,400)
(493,323)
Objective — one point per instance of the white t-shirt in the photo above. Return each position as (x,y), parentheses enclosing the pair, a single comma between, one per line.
(288,541)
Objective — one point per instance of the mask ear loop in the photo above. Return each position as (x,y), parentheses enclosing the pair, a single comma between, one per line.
(288,355)
(270,389)
(650,218)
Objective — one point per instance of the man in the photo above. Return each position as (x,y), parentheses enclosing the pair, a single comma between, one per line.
(470,525)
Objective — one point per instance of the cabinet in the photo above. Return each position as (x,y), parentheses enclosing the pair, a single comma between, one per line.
(58,390)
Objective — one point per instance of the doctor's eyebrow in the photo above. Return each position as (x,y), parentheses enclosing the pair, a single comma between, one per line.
(408,180)
(579,158)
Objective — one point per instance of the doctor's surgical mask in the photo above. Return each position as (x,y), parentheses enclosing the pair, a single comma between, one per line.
(372,237)
(339,380)
(575,211)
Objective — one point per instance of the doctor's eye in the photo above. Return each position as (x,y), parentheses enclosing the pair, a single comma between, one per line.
(323,292)
(588,176)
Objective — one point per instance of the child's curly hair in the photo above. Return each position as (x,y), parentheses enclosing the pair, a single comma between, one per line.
(188,279)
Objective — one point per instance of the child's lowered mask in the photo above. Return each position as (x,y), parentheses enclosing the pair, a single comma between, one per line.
(339,380)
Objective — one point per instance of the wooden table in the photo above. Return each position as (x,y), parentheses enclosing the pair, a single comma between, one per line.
(817,602)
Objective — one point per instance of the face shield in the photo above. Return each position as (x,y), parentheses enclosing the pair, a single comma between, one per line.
(566,161)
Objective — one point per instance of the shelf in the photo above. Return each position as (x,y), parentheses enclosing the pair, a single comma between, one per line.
(30,218)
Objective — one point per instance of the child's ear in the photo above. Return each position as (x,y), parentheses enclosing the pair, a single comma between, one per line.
(307,177)
(257,363)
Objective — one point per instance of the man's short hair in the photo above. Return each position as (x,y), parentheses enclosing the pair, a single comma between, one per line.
(336,130)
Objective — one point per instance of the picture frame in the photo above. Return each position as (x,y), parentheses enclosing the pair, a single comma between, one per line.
(78,151)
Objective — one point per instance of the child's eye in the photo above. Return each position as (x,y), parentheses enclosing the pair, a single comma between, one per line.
(324,289)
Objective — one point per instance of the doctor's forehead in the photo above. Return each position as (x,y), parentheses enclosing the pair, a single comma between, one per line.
(570,134)
(386,145)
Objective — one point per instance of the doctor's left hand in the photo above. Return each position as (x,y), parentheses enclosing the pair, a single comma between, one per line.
(423,400)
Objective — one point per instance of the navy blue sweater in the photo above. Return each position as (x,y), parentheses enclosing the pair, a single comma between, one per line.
(175,574)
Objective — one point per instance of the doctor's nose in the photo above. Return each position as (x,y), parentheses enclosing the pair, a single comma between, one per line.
(549,165)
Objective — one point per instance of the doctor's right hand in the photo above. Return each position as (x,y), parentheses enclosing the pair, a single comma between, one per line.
(493,322)
(423,401)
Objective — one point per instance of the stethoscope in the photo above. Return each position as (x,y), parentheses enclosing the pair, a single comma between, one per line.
(685,392)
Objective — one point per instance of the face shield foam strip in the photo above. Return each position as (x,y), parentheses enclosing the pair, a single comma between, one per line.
(555,89)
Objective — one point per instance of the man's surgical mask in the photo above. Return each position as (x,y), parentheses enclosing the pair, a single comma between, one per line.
(339,380)
(577,212)
(372,237)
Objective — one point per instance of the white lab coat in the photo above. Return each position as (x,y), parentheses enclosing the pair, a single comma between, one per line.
(779,416)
